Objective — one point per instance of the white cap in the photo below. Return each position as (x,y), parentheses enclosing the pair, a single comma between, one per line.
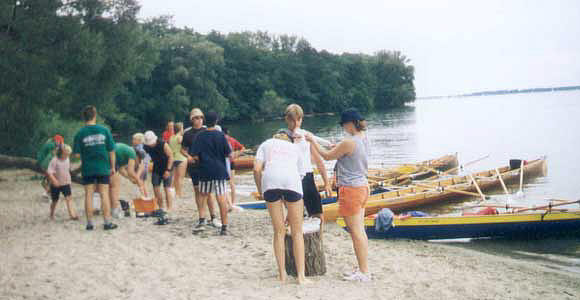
(150,138)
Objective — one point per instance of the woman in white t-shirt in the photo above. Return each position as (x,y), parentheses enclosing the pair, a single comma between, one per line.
(278,177)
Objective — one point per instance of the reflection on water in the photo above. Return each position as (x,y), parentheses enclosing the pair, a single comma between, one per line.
(509,126)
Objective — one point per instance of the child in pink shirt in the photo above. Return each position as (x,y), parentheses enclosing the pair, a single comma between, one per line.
(59,176)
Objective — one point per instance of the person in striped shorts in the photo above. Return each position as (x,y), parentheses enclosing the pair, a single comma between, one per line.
(211,149)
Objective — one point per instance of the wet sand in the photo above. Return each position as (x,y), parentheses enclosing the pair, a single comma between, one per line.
(43,259)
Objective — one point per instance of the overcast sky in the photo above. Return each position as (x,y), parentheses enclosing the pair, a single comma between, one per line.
(455,46)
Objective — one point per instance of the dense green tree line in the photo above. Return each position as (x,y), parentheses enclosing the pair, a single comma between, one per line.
(57,56)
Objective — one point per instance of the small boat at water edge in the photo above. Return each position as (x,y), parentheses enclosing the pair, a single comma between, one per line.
(390,175)
(442,190)
(523,225)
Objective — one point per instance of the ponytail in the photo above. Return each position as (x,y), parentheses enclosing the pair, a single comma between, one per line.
(360,125)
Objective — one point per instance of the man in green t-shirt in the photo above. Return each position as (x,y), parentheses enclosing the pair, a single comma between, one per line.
(94,143)
(126,165)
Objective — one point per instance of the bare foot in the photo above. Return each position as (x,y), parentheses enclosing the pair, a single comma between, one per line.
(75,218)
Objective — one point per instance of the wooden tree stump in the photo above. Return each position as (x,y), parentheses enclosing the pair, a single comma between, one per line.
(314,259)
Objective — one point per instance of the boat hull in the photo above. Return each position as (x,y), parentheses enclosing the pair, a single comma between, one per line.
(525,226)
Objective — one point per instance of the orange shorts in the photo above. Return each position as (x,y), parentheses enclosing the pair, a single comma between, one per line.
(351,199)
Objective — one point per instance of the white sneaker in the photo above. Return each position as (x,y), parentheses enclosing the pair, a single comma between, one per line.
(358,276)
(215,223)
(117,213)
(350,273)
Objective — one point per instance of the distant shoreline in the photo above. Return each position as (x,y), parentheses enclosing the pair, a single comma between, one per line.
(506,92)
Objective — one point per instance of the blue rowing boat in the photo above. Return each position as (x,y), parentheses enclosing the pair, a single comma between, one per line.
(507,225)
(262,204)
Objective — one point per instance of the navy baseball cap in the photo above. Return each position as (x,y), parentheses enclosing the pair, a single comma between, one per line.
(350,115)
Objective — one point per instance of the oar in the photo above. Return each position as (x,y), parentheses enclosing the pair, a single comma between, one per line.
(503,186)
(477,187)
(450,189)
(520,193)
(549,206)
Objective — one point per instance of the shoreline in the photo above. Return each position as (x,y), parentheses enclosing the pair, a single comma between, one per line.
(60,260)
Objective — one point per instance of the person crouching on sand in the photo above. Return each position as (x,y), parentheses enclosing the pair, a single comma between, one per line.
(143,160)
(126,158)
(58,173)
(352,169)
(162,158)
(278,177)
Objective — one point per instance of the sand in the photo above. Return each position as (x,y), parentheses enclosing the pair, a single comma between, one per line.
(43,259)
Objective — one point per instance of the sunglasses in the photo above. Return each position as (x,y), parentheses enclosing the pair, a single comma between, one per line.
(197,118)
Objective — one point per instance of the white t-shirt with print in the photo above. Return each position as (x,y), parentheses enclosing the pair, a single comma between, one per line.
(282,165)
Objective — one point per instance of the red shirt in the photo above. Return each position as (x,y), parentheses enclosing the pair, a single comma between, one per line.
(234,144)
(167,135)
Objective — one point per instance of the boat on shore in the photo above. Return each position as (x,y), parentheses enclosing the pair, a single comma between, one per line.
(549,222)
(388,176)
(445,189)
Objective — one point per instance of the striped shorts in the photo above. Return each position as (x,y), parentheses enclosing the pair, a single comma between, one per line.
(217,187)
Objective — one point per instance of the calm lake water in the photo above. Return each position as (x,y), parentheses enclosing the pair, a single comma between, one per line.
(523,126)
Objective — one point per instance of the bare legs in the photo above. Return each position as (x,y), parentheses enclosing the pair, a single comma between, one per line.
(199,202)
(115,190)
(159,196)
(232,183)
(103,190)
(168,198)
(69,206)
(178,178)
(359,239)
(295,218)
(71,209)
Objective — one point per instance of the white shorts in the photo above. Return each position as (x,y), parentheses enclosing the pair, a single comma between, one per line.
(217,187)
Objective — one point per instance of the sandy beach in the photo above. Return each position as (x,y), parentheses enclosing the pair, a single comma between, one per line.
(43,259)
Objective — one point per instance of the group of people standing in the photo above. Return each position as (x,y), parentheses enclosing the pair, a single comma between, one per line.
(283,173)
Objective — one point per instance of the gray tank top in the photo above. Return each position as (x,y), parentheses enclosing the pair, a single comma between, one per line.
(352,169)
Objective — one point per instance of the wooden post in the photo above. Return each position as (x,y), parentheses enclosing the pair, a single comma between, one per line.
(314,259)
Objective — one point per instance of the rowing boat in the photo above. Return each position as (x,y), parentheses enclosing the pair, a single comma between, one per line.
(390,176)
(244,163)
(512,225)
(405,173)
(442,190)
